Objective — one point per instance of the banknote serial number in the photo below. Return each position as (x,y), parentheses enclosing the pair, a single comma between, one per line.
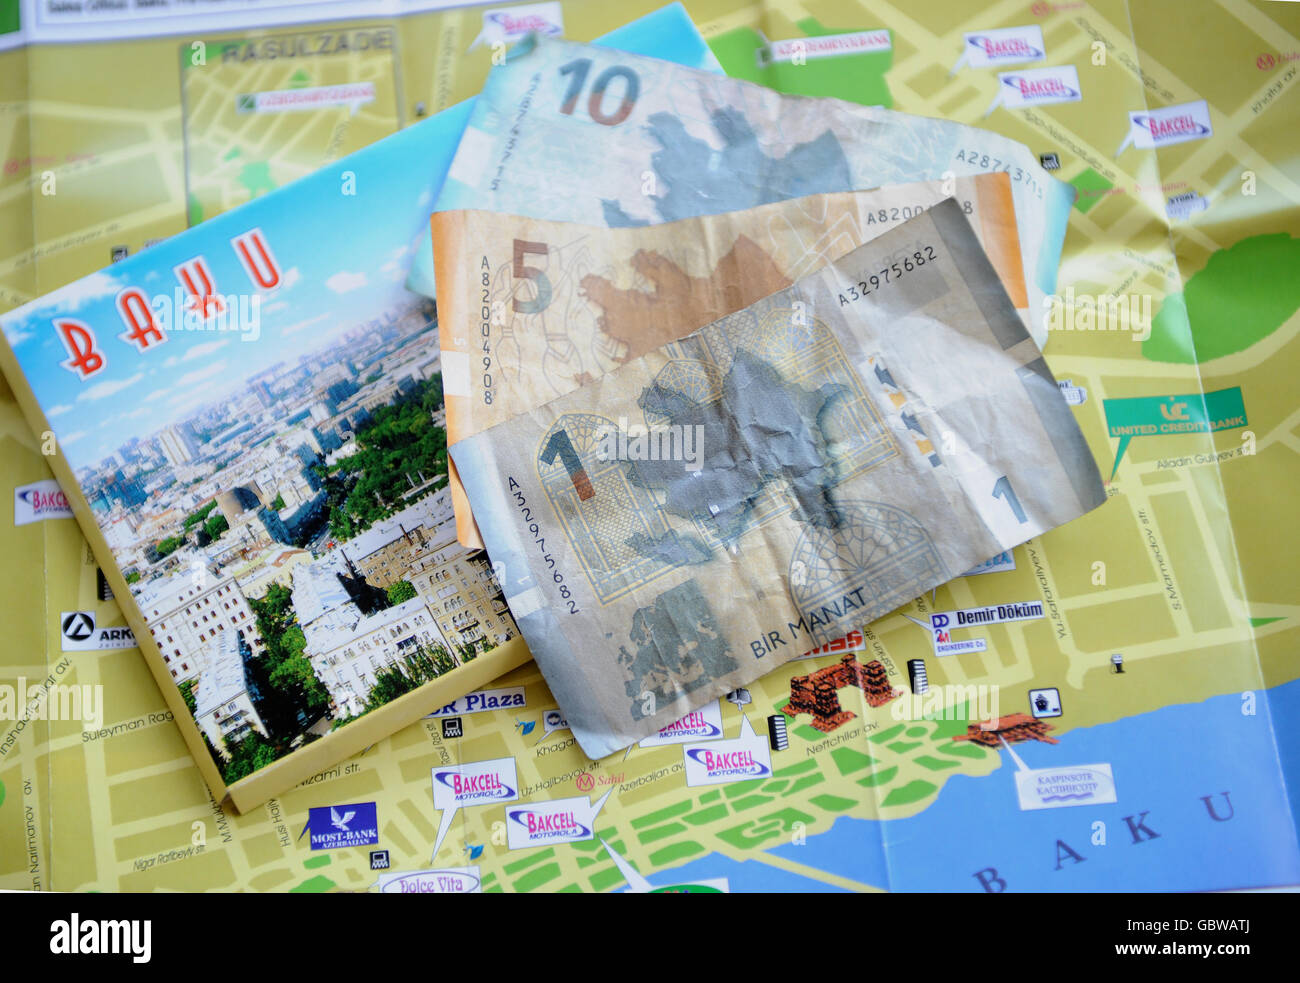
(535,530)
(894,271)
(987,162)
(485,329)
(904,212)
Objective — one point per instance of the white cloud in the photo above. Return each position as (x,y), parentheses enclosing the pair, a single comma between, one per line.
(303,325)
(81,292)
(72,438)
(291,277)
(207,348)
(58,410)
(17,334)
(200,375)
(111,387)
(343,281)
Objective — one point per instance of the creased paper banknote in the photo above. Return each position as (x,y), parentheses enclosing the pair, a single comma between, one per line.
(531,309)
(698,515)
(585,134)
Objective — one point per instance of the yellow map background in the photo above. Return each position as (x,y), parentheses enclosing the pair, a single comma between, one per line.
(94,814)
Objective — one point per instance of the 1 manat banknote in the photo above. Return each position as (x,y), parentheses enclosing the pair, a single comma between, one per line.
(684,523)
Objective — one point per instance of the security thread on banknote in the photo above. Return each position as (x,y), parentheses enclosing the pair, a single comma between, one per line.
(704,512)
(531,309)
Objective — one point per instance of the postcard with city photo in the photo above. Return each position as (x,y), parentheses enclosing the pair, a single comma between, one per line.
(253,412)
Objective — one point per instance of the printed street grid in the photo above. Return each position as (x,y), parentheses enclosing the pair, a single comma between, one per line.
(1196,564)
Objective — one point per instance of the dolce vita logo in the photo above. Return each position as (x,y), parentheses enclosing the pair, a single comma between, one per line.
(1098,312)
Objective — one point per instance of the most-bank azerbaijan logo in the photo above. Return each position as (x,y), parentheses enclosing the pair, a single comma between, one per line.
(332,827)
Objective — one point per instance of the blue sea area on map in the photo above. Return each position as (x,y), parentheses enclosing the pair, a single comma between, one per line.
(1166,764)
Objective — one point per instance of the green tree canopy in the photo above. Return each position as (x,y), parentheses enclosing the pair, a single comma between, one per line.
(400,592)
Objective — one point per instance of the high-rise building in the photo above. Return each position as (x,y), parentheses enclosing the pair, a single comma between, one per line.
(178,444)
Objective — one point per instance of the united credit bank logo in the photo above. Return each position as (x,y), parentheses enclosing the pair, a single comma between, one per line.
(332,827)
(474,788)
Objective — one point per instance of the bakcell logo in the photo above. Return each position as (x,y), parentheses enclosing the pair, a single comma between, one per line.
(39,501)
(1164,127)
(692,724)
(702,724)
(1037,87)
(1002,46)
(1009,49)
(730,764)
(1169,129)
(557,821)
(548,825)
(475,788)
(1048,88)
